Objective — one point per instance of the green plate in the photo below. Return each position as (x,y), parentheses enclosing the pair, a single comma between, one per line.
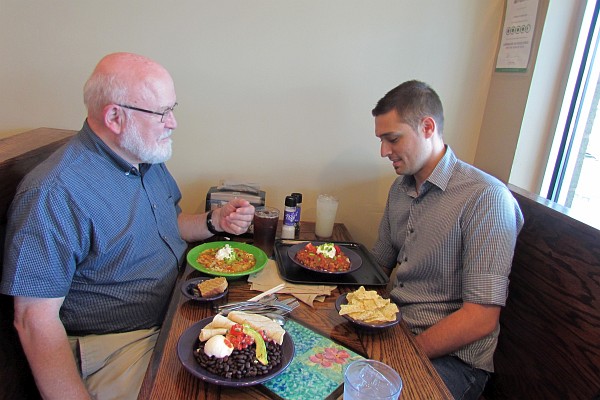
(259,255)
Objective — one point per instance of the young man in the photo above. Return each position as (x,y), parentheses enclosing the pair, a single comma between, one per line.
(96,236)
(449,230)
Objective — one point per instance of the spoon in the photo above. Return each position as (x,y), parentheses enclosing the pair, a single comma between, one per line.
(280,319)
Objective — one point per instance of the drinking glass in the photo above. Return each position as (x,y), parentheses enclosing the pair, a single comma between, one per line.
(327,206)
(265,228)
(372,380)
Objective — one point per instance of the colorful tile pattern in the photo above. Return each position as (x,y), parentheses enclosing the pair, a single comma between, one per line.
(318,360)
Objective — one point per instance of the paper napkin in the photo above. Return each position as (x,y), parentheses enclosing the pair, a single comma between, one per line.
(269,277)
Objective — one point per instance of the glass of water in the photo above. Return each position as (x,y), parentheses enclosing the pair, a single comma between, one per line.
(371,379)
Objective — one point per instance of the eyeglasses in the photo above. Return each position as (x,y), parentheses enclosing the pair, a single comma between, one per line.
(163,114)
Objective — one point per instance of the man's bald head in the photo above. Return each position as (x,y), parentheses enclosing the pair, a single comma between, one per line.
(124,78)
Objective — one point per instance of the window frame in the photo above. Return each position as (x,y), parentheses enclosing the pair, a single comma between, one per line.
(563,164)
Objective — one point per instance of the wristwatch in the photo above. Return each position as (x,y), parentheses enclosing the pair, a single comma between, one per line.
(209,224)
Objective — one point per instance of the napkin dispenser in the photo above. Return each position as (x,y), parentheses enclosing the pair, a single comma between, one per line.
(217,196)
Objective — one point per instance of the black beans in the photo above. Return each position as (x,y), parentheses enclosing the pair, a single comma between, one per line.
(241,363)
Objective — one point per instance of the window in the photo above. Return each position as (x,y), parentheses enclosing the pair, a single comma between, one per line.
(571,180)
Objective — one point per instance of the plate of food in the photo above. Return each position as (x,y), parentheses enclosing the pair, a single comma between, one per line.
(205,288)
(367,309)
(212,349)
(325,257)
(229,259)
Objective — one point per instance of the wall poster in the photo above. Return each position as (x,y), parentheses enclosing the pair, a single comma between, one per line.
(517,35)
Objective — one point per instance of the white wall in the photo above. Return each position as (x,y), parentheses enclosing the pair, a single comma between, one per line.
(278,92)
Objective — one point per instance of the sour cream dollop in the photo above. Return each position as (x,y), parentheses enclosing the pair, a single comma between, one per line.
(327,249)
(218,346)
(225,253)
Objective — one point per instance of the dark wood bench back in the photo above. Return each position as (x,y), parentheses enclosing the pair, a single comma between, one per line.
(549,344)
(18,155)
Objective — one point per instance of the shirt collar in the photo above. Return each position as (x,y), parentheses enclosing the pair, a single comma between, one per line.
(441,173)
(92,141)
(443,170)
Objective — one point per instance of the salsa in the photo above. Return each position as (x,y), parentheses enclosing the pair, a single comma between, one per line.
(326,257)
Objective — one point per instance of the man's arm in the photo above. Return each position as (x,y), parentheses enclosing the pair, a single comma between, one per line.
(491,231)
(466,325)
(234,217)
(47,348)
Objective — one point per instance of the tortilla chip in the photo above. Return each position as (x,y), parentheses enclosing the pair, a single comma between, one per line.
(368,306)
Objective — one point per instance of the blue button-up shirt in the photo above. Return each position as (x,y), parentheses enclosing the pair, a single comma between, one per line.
(87,225)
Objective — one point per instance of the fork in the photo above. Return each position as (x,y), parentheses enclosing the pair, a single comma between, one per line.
(292,302)
(265,304)
(253,306)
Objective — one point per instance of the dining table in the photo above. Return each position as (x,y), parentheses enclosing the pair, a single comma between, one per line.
(167,378)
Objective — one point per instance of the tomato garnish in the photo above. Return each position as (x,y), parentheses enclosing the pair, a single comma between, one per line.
(237,330)
(238,338)
(310,248)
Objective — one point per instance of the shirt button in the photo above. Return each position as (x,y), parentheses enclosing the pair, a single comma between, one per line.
(154,206)
(405,259)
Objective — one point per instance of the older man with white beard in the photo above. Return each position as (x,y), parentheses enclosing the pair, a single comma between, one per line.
(96,236)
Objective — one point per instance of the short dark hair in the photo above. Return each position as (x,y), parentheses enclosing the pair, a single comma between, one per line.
(412,100)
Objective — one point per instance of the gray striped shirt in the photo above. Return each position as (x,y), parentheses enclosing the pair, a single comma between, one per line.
(451,243)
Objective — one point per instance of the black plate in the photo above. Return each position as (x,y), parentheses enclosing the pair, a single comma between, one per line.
(186,289)
(188,341)
(366,325)
(355,260)
(369,274)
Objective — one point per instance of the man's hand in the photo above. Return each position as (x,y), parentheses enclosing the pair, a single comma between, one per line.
(234,217)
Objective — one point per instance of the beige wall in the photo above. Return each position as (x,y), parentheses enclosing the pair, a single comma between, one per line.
(507,96)
(548,87)
(522,109)
(277,92)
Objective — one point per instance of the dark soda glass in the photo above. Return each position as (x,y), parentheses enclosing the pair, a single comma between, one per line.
(265,228)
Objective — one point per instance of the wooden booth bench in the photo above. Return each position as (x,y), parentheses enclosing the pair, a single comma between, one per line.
(549,345)
(19,154)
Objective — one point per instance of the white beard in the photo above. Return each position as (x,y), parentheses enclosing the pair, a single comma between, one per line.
(149,153)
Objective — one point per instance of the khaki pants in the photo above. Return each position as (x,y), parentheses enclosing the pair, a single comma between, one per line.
(113,365)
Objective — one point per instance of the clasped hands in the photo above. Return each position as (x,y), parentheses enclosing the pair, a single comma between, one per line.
(234,217)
